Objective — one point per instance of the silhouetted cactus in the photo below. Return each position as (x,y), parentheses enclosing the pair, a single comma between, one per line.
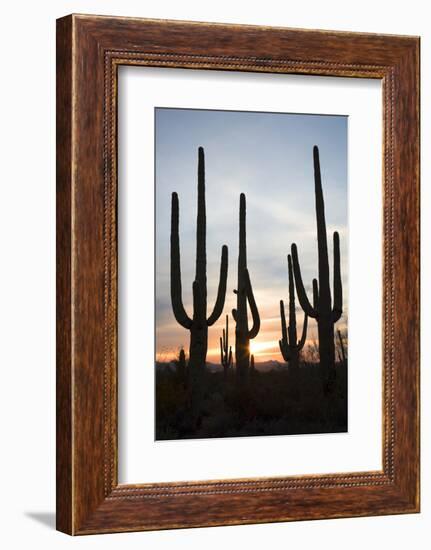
(244,294)
(198,325)
(225,349)
(290,347)
(322,309)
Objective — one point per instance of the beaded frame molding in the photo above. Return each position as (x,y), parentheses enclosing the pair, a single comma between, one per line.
(89,51)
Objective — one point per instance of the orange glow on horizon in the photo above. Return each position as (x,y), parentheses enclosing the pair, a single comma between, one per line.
(264,348)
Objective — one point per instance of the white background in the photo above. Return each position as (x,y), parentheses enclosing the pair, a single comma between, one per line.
(27,214)
(141,458)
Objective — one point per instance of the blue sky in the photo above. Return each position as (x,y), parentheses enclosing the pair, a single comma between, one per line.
(269,157)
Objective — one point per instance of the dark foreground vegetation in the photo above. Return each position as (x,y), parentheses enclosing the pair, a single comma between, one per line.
(276,402)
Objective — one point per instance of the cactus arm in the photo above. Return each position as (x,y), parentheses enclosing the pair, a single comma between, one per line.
(285,351)
(300,289)
(201,253)
(242,256)
(283,322)
(304,333)
(292,313)
(254,331)
(284,346)
(176,291)
(225,349)
(315,294)
(337,310)
(322,244)
(221,293)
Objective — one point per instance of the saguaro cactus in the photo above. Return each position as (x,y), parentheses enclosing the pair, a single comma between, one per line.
(225,349)
(245,295)
(198,325)
(290,347)
(322,309)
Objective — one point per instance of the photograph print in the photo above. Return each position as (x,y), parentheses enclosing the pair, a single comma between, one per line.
(251,260)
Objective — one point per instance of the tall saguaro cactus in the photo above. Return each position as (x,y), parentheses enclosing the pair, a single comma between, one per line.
(244,293)
(326,313)
(225,349)
(198,325)
(290,347)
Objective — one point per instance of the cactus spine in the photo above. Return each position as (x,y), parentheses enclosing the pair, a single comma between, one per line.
(225,349)
(198,325)
(290,347)
(322,310)
(244,294)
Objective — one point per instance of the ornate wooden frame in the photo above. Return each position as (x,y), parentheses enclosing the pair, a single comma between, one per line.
(89,51)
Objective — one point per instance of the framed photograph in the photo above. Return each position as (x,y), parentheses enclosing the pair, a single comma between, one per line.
(237,274)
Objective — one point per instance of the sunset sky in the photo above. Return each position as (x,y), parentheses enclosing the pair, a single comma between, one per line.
(269,157)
